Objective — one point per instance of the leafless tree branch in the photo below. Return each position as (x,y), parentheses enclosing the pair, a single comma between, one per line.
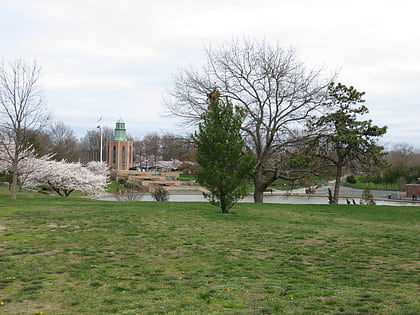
(22,110)
(274,88)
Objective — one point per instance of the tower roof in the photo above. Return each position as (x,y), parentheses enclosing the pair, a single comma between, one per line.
(120,134)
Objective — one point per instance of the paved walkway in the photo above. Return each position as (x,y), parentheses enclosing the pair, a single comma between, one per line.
(348,192)
(295,196)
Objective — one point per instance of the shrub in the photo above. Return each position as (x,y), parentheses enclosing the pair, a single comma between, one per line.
(160,194)
(132,191)
(351,179)
(122,181)
(330,197)
(367,197)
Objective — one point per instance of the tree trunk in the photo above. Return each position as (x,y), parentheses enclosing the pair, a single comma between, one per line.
(258,195)
(337,183)
(15,171)
(223,205)
(259,186)
(14,184)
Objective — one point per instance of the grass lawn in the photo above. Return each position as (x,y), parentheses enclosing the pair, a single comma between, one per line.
(77,256)
(363,181)
(363,185)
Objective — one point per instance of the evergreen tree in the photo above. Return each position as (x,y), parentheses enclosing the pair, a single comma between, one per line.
(220,153)
(341,139)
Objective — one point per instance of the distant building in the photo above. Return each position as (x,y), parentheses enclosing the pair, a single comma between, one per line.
(120,150)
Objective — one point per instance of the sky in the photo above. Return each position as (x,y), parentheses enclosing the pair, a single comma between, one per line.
(117,58)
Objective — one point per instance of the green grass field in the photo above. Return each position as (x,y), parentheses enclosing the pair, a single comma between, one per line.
(363,185)
(77,256)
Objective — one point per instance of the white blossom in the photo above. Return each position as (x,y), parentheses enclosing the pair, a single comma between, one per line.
(171,165)
(99,168)
(61,176)
(65,177)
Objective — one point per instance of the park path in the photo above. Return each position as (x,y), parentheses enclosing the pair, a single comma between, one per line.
(346,192)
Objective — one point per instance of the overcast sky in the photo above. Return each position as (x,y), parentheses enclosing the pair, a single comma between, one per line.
(116,58)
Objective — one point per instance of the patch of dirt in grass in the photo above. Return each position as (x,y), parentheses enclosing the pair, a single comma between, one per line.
(55,226)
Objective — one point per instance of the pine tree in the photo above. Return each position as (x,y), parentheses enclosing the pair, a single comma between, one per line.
(220,153)
(342,139)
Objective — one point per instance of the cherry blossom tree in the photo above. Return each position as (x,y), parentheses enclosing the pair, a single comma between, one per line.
(99,168)
(61,176)
(64,178)
(29,168)
(26,166)
(168,165)
(6,162)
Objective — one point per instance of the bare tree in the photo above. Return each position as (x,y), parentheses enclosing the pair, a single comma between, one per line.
(108,135)
(404,162)
(131,191)
(277,92)
(139,152)
(22,111)
(63,142)
(152,149)
(159,193)
(91,144)
(404,154)
(176,147)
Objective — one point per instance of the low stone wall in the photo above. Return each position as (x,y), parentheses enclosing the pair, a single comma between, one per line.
(140,174)
(152,179)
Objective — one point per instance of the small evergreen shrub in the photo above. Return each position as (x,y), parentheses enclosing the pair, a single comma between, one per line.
(367,197)
(330,197)
(351,179)
(122,181)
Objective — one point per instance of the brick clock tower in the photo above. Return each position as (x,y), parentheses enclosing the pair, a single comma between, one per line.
(120,150)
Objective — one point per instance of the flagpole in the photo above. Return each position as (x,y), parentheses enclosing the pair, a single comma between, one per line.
(100,131)
(100,137)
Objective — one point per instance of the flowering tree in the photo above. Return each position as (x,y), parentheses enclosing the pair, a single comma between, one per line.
(65,177)
(29,168)
(61,176)
(99,168)
(168,165)
(6,162)
(26,166)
